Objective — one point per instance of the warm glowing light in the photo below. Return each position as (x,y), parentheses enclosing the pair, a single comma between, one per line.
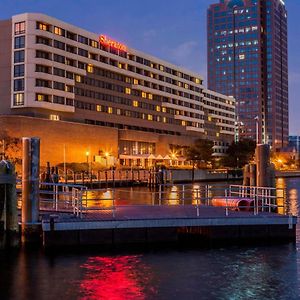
(106,41)
(106,154)
(87,153)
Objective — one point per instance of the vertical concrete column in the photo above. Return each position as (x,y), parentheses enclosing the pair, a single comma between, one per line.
(30,187)
(246,180)
(252,175)
(262,164)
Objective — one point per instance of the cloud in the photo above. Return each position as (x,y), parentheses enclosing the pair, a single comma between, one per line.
(184,51)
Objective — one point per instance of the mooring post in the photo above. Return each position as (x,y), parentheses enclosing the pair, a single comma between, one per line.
(262,165)
(8,205)
(30,189)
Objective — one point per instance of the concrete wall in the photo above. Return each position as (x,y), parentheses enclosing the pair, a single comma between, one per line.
(77,138)
(5,66)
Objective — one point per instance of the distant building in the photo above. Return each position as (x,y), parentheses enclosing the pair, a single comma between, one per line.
(248,59)
(86,93)
(294,143)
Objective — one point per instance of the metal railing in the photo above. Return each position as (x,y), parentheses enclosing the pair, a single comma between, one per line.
(96,203)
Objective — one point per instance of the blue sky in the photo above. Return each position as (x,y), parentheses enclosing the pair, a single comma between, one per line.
(174,30)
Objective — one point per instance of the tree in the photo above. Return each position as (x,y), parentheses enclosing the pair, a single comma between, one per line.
(239,153)
(201,152)
(10,148)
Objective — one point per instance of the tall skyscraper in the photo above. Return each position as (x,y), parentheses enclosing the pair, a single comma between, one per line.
(247,59)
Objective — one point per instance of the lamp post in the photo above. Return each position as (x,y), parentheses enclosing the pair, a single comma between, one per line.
(87,161)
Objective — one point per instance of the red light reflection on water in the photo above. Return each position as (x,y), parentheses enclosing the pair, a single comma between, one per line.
(122,277)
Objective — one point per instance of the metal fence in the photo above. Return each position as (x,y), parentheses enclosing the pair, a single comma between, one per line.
(82,202)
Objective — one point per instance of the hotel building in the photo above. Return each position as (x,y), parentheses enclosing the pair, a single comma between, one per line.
(248,59)
(90,97)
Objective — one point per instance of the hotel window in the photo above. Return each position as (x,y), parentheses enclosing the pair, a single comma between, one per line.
(164,109)
(144,95)
(90,68)
(161,68)
(18,99)
(158,108)
(19,28)
(94,44)
(59,72)
(59,31)
(128,91)
(58,100)
(118,111)
(43,54)
(59,58)
(19,70)
(59,45)
(58,86)
(110,110)
(135,81)
(43,69)
(19,42)
(164,119)
(150,118)
(78,78)
(42,26)
(83,40)
(42,98)
(98,108)
(69,102)
(69,88)
(83,52)
(183,123)
(19,56)
(54,117)
(150,96)
(18,85)
(135,103)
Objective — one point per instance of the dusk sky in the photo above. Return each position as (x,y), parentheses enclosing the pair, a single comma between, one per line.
(174,30)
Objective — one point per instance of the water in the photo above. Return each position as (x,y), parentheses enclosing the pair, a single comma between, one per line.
(263,272)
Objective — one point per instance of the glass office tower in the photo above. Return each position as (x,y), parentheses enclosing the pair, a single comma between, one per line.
(247,59)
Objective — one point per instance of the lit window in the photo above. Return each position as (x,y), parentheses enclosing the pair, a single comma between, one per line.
(183,123)
(19,99)
(242,56)
(110,110)
(128,80)
(198,81)
(94,44)
(78,78)
(54,117)
(120,65)
(40,97)
(128,91)
(179,84)
(209,119)
(217,134)
(150,118)
(164,109)
(144,95)
(150,96)
(90,68)
(135,103)
(186,86)
(158,108)
(135,81)
(161,68)
(58,31)
(98,108)
(118,111)
(43,26)
(151,75)
(20,28)
(164,119)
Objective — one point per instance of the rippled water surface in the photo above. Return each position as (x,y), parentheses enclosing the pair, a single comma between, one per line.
(264,272)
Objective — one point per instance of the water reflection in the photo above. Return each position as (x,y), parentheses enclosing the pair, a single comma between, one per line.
(122,277)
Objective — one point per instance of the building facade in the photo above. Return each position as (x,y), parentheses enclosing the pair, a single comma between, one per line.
(62,74)
(248,59)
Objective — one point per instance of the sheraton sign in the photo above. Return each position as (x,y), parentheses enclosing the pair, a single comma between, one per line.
(106,41)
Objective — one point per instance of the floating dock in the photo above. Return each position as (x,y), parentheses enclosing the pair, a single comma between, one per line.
(165,224)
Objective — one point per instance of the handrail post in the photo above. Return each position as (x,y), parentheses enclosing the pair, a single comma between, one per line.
(226,197)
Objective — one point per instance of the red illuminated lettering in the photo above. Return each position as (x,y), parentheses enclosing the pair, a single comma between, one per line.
(106,41)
